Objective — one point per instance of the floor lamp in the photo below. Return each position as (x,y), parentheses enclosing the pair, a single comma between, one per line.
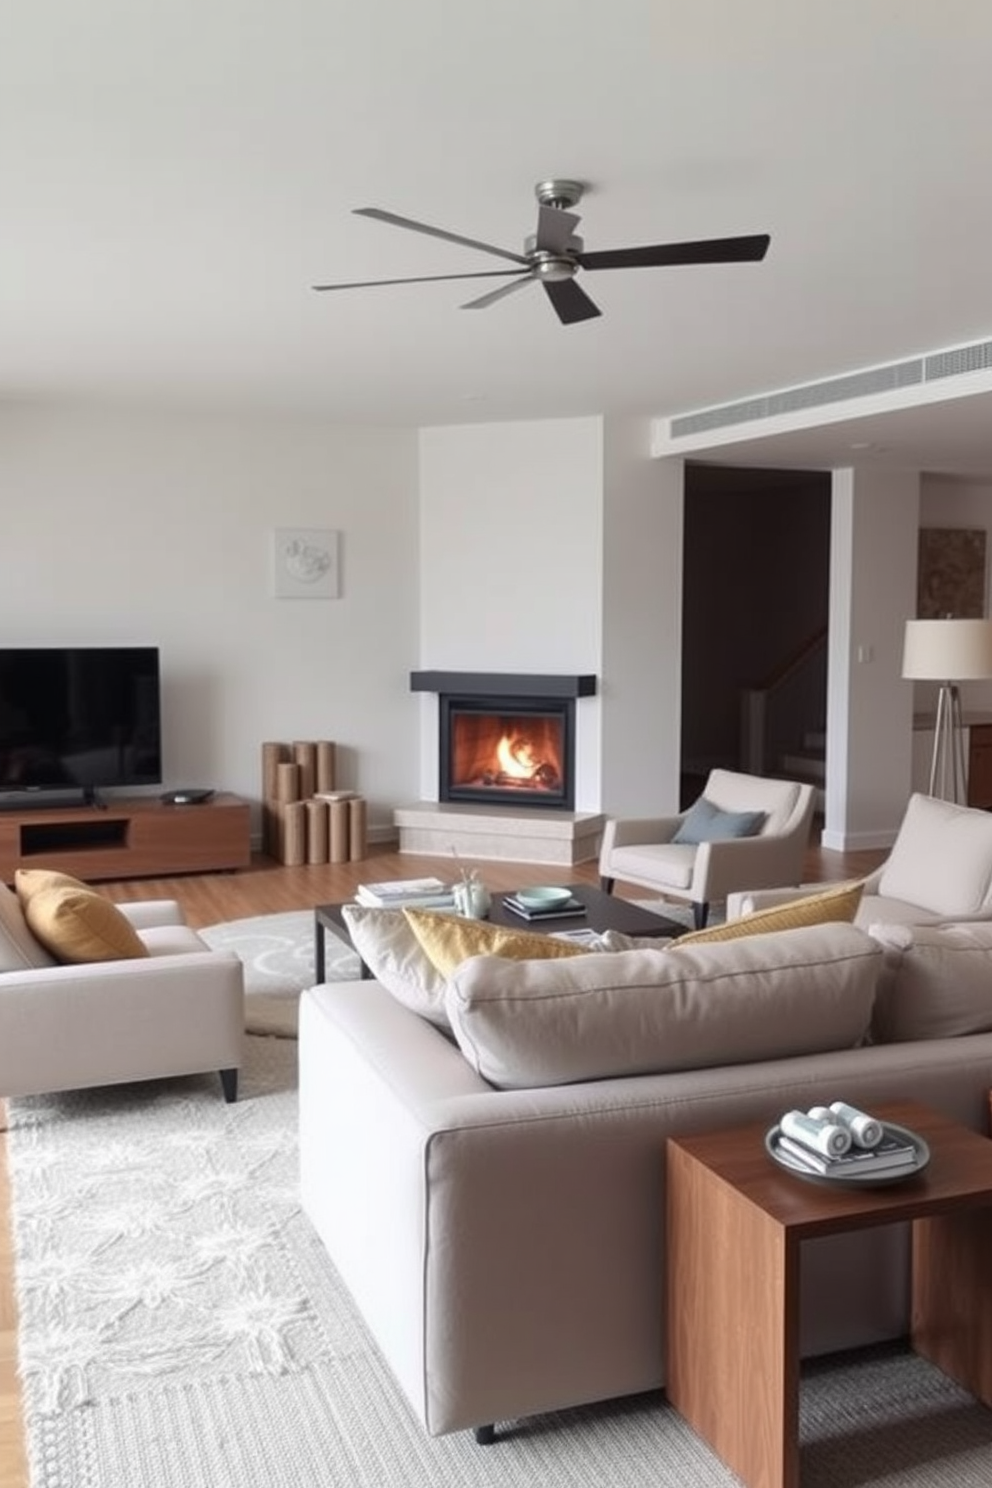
(948,651)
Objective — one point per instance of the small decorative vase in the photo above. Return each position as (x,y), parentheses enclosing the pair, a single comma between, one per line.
(472,900)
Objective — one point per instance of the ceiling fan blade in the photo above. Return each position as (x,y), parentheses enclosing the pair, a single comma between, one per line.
(498,294)
(437,232)
(418,279)
(709,250)
(555,229)
(571,303)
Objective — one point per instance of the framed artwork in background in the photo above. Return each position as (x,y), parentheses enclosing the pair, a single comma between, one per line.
(305,563)
(951,573)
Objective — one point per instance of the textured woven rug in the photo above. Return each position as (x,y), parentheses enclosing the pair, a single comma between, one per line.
(278,955)
(181,1327)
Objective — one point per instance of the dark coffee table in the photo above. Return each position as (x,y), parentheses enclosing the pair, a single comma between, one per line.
(602,912)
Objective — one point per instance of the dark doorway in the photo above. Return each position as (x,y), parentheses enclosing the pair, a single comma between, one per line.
(756,565)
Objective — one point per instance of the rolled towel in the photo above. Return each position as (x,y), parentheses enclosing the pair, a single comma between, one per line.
(827,1137)
(865,1130)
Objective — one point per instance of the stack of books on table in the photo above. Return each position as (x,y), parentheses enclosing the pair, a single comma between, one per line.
(893,1153)
(409,893)
(568,910)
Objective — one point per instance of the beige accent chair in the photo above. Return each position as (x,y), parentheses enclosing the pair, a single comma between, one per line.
(64,1027)
(939,870)
(641,850)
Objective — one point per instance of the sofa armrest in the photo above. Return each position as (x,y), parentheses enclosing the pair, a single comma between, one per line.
(635,831)
(143,914)
(747,901)
(67,1027)
(762,861)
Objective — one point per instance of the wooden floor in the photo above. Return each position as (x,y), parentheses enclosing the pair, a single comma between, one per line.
(268,888)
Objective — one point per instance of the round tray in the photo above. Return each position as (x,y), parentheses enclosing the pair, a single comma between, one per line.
(784,1159)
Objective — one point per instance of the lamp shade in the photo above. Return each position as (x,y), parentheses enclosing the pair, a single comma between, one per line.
(947,650)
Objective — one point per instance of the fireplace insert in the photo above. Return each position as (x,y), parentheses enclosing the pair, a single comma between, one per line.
(504,750)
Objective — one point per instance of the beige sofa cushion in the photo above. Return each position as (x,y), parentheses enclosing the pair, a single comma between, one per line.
(19,950)
(533,1023)
(941,859)
(936,981)
(395,957)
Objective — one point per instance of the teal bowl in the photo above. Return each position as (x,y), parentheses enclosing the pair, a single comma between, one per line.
(543,898)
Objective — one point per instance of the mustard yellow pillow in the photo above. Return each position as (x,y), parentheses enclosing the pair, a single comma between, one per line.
(840,903)
(31,881)
(448,940)
(81,925)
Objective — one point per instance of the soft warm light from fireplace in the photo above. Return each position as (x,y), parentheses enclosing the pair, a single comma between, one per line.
(502,751)
(516,757)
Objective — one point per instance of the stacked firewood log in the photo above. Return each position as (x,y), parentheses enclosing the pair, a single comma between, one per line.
(305,818)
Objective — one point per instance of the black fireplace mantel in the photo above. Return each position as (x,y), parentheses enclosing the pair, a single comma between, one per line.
(505,684)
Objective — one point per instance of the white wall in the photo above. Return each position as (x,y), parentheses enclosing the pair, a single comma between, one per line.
(155,529)
(642,624)
(511,558)
(874,526)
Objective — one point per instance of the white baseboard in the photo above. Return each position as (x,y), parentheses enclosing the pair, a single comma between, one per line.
(856,841)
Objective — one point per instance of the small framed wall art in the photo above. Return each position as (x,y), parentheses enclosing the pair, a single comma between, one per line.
(951,573)
(305,563)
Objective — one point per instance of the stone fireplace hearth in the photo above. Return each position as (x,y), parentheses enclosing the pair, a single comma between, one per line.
(439,829)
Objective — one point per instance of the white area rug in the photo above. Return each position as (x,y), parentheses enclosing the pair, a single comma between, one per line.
(182,1327)
(278,953)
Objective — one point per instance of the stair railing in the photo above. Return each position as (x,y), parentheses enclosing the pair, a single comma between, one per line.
(775,709)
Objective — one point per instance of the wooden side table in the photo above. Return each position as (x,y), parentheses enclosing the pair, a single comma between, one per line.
(735,1226)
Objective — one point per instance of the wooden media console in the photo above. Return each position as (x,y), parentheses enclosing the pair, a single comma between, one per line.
(140,837)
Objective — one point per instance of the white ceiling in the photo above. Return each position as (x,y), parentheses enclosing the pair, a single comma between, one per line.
(176,174)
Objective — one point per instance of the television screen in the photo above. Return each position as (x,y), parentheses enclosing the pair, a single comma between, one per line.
(79,718)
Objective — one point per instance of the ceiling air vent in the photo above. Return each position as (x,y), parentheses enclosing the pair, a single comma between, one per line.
(810,395)
(958,361)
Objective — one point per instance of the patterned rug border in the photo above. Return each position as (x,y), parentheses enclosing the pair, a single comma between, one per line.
(278,955)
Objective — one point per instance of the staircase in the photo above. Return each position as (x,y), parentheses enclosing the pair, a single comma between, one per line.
(808,763)
(772,715)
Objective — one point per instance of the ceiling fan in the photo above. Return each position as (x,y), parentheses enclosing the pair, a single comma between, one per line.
(554,254)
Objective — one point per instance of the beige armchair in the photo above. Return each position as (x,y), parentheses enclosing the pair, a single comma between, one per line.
(938,870)
(642,850)
(178,1011)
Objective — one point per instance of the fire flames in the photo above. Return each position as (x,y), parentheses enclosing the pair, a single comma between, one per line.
(517,758)
(494,753)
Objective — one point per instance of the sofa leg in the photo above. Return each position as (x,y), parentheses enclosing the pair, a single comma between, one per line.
(606,884)
(700,914)
(229,1084)
(485,1435)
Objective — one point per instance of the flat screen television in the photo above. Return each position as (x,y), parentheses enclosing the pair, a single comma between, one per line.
(79,718)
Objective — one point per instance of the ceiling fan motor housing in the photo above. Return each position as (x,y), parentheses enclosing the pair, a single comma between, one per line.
(562,194)
(552,267)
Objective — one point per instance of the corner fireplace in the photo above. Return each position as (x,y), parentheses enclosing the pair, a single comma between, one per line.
(506,739)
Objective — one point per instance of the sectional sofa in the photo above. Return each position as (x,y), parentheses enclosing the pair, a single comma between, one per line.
(487,1170)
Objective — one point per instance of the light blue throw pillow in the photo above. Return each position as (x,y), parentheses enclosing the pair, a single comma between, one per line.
(705,822)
